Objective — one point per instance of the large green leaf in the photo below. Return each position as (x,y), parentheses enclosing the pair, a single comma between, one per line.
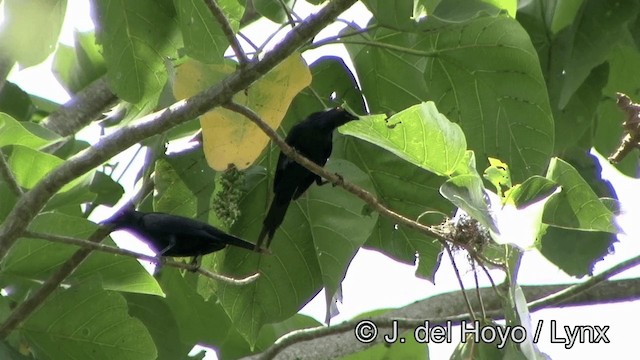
(185,185)
(30,29)
(198,321)
(419,134)
(135,37)
(203,38)
(600,27)
(574,251)
(312,249)
(77,66)
(482,73)
(273,10)
(13,132)
(15,102)
(407,190)
(157,317)
(623,77)
(394,14)
(87,322)
(35,259)
(576,206)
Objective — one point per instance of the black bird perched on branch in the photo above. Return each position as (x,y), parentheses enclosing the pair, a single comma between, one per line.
(172,235)
(313,138)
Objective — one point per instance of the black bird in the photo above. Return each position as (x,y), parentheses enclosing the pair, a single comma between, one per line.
(172,235)
(313,138)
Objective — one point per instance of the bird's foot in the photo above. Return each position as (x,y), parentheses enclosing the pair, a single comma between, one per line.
(340,180)
(195,263)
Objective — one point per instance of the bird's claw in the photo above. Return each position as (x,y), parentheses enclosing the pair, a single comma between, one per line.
(340,180)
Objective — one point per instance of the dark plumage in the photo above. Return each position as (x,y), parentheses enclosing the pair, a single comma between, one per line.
(313,138)
(172,235)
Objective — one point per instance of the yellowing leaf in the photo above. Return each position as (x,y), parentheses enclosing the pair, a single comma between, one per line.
(230,138)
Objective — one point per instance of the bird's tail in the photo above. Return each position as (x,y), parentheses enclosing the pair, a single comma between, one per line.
(236,241)
(271,222)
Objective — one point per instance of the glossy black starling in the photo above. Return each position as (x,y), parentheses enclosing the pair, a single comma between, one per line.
(172,235)
(313,138)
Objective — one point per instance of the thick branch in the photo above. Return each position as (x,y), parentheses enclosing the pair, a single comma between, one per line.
(5,172)
(338,340)
(228,31)
(84,107)
(33,201)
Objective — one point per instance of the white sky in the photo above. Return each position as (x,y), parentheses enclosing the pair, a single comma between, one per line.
(374,281)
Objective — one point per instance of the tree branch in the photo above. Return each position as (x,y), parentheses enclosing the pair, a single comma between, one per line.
(228,32)
(577,289)
(336,179)
(33,201)
(84,107)
(5,172)
(339,340)
(157,260)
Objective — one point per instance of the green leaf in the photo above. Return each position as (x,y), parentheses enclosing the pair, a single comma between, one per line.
(15,102)
(35,259)
(13,132)
(273,9)
(198,321)
(498,175)
(576,122)
(591,44)
(30,29)
(393,14)
(623,60)
(482,73)
(408,190)
(531,190)
(564,14)
(135,37)
(84,320)
(203,37)
(337,241)
(157,317)
(576,206)
(272,332)
(468,193)
(77,66)
(419,134)
(585,248)
(312,249)
(462,10)
(29,166)
(185,185)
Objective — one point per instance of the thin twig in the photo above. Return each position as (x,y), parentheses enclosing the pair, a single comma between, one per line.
(5,171)
(464,293)
(480,301)
(114,250)
(335,179)
(217,12)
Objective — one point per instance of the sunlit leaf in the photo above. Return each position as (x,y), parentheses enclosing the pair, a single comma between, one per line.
(84,320)
(419,134)
(230,138)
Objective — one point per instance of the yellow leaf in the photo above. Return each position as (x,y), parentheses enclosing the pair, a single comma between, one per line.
(230,138)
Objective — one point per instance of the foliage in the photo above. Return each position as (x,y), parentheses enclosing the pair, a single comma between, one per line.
(451,88)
